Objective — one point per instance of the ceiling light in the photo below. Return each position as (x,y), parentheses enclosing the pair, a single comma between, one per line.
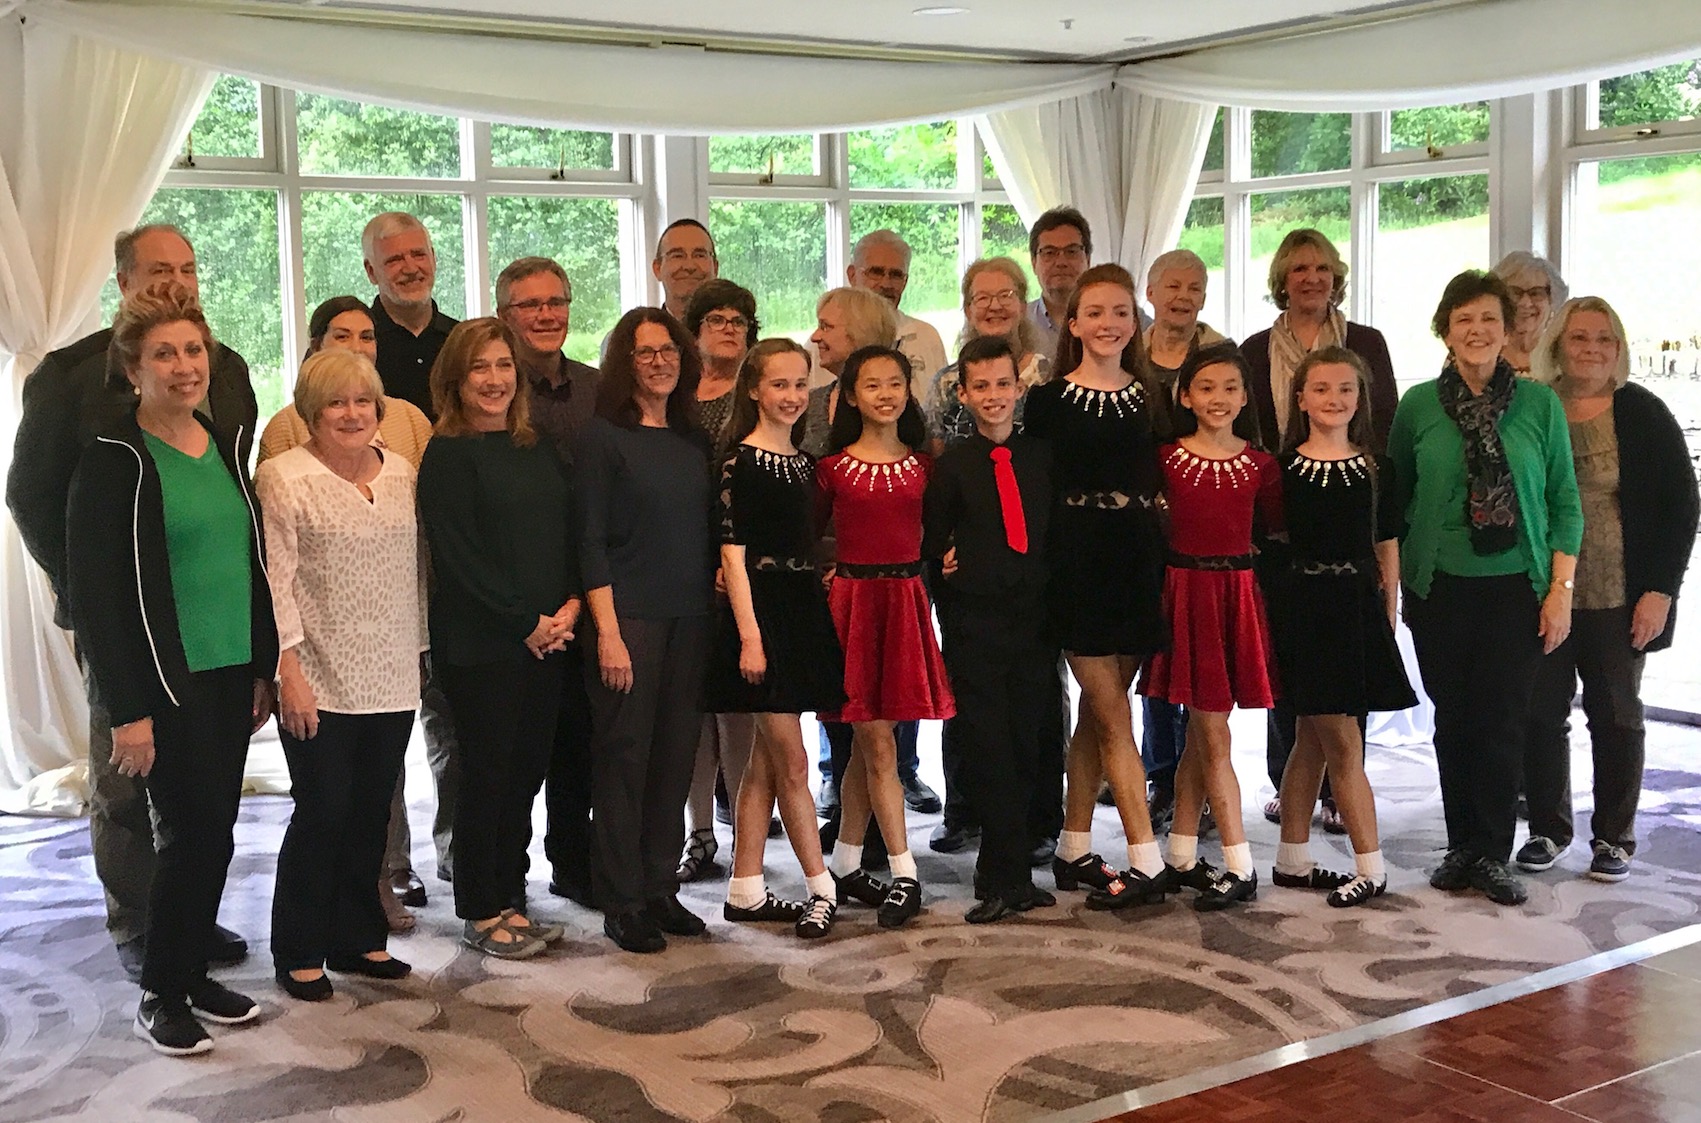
(939,10)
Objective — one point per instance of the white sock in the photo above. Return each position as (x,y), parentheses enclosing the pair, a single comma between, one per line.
(1295,858)
(847,859)
(821,885)
(1238,859)
(903,865)
(1146,858)
(1370,866)
(1074,845)
(1183,850)
(746,892)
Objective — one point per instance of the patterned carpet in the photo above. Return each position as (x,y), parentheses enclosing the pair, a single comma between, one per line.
(941,1021)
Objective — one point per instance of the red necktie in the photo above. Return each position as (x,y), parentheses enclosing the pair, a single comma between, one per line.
(1009,500)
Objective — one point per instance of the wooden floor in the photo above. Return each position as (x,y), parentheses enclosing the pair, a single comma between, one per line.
(1620,1046)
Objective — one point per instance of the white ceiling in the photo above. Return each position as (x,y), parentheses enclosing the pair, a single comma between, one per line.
(1097,30)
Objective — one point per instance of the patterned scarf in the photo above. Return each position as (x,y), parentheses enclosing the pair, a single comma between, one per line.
(1286,353)
(1491,503)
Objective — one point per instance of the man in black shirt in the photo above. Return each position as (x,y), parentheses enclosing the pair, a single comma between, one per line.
(986,513)
(400,260)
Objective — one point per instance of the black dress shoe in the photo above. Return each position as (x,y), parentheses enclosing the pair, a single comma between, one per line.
(579,892)
(918,797)
(1089,871)
(775,827)
(859,886)
(1160,806)
(1130,887)
(1197,877)
(1227,889)
(1318,878)
(997,906)
(1044,851)
(391,968)
(772,908)
(948,838)
(633,930)
(228,947)
(315,990)
(827,799)
(131,955)
(674,918)
(409,888)
(902,903)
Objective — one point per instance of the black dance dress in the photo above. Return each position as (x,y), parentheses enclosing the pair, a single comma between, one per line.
(1105,547)
(766,504)
(1334,645)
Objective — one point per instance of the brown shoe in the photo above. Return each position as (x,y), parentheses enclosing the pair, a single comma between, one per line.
(396,914)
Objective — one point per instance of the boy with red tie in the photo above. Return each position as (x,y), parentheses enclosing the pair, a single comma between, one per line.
(985,513)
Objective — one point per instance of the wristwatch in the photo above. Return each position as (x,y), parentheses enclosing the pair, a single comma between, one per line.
(1567,584)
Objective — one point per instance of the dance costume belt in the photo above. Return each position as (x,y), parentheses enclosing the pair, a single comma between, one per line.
(1210,561)
(1106,500)
(767,563)
(1334,569)
(866,572)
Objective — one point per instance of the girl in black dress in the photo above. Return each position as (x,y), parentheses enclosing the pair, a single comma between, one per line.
(1335,617)
(1106,553)
(776,653)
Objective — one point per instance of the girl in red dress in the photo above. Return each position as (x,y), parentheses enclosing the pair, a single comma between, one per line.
(871,487)
(1220,653)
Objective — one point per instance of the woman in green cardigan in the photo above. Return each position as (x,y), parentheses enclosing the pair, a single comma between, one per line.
(1484,476)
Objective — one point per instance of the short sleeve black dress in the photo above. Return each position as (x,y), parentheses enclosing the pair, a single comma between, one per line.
(1334,645)
(1105,547)
(766,504)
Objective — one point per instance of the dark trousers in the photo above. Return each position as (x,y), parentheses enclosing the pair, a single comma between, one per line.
(643,751)
(1006,730)
(195,789)
(567,785)
(332,855)
(121,832)
(504,716)
(1164,725)
(1478,652)
(437,723)
(1598,651)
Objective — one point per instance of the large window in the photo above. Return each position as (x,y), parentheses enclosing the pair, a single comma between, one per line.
(777,251)
(1427,230)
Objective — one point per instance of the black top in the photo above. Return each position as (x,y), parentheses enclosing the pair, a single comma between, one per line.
(962,509)
(122,601)
(1337,510)
(496,518)
(766,503)
(1658,503)
(69,400)
(1365,342)
(559,412)
(1101,440)
(643,508)
(405,359)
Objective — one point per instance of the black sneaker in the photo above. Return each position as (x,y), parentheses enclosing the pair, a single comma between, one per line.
(859,885)
(674,918)
(216,1002)
(1318,878)
(1088,871)
(1611,863)
(948,837)
(167,1025)
(1226,889)
(1131,887)
(1196,877)
(918,797)
(1497,883)
(1538,853)
(902,903)
(1454,872)
(1356,892)
(817,918)
(771,909)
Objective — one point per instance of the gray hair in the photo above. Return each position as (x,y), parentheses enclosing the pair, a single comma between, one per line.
(521,268)
(1175,259)
(386,225)
(870,319)
(1548,367)
(1519,260)
(888,238)
(124,246)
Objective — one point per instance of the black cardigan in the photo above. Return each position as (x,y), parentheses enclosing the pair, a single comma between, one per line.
(1659,503)
(119,572)
(1365,342)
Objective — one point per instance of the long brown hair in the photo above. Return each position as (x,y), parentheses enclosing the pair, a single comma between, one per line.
(1070,352)
(1361,434)
(744,411)
(453,364)
(617,387)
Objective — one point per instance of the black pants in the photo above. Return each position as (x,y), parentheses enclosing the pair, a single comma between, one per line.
(1004,674)
(195,788)
(1598,651)
(643,751)
(1478,652)
(504,716)
(1164,725)
(442,755)
(567,785)
(332,855)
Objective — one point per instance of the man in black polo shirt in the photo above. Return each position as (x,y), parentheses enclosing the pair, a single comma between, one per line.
(400,260)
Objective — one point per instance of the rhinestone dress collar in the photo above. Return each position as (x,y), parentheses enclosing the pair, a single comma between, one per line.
(1349,471)
(860,473)
(1235,471)
(793,469)
(1125,402)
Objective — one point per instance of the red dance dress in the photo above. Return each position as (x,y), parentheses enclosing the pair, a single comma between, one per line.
(1220,653)
(893,669)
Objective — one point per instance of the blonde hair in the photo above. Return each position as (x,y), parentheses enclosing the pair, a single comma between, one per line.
(1024,337)
(870,319)
(1548,366)
(1292,243)
(327,372)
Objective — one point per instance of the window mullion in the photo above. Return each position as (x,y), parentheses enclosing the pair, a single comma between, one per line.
(292,251)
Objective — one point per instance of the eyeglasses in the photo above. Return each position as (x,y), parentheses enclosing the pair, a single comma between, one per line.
(881,273)
(1049,254)
(533,307)
(988,299)
(1539,292)
(715,322)
(650,356)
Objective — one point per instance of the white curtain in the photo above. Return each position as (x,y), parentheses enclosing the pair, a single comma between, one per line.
(1466,52)
(99,127)
(665,89)
(1127,161)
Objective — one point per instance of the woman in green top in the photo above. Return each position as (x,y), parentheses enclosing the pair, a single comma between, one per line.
(169,599)
(1484,478)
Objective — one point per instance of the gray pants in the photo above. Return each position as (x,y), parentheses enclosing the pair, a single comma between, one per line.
(1598,651)
(398,845)
(442,753)
(121,830)
(643,747)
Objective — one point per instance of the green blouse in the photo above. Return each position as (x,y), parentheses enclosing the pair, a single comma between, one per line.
(206,542)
